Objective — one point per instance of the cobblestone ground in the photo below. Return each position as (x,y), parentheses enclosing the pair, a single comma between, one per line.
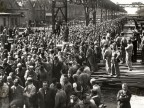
(109,95)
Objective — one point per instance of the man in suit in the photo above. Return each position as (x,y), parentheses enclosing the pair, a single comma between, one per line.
(66,33)
(90,55)
(61,97)
(57,67)
(123,45)
(46,96)
(16,95)
(135,46)
(58,28)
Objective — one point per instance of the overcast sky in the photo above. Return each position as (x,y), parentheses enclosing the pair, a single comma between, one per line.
(127,1)
(128,9)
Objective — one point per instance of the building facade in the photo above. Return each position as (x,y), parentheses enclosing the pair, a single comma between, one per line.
(8,13)
(34,12)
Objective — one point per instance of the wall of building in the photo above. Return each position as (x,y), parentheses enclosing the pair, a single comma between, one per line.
(2,21)
(9,21)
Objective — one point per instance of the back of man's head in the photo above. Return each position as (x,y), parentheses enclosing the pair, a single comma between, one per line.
(58,86)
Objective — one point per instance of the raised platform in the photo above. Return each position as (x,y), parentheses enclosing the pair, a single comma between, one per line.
(134,78)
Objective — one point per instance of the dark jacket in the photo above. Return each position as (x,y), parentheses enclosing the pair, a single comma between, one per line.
(60,99)
(46,98)
(123,99)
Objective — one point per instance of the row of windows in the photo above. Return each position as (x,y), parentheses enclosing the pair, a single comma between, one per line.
(13,21)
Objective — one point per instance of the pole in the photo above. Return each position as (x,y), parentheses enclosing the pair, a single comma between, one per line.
(99,38)
(106,15)
(65,3)
(44,17)
(94,12)
(53,15)
(111,14)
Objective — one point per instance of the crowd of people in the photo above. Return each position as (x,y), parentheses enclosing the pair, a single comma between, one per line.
(35,73)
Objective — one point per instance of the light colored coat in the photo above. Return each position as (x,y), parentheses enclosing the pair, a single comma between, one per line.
(4,92)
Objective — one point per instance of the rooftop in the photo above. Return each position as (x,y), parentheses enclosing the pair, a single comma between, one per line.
(8,14)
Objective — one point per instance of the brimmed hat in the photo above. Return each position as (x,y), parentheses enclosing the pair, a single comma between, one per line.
(73,94)
(9,78)
(92,80)
(31,67)
(29,79)
(19,65)
(70,62)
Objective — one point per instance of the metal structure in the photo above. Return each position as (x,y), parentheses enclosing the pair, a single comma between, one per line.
(131,5)
(58,6)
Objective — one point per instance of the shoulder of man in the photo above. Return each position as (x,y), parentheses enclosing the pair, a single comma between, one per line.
(12,87)
(40,90)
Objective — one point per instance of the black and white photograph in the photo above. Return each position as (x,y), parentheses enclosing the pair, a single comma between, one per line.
(71,53)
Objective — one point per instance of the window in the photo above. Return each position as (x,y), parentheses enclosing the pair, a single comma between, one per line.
(4,21)
(12,21)
(16,21)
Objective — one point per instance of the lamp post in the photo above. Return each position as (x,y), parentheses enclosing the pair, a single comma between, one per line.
(65,5)
(93,3)
(106,14)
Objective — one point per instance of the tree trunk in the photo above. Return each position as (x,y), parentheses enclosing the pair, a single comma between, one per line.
(94,17)
(86,15)
(101,14)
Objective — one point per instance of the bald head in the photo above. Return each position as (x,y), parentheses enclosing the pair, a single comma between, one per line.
(125,86)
